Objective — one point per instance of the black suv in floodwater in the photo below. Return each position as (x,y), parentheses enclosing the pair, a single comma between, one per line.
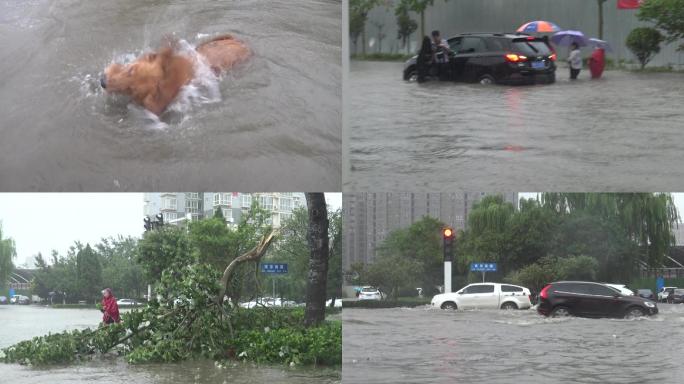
(495,58)
(587,299)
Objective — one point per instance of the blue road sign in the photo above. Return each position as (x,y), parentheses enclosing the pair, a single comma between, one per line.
(482,267)
(660,283)
(274,267)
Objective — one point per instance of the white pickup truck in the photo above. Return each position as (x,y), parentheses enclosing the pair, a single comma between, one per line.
(485,296)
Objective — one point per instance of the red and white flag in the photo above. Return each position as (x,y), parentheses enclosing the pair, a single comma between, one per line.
(629,4)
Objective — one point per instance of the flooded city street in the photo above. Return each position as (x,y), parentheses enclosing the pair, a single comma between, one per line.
(277,116)
(619,133)
(424,345)
(24,322)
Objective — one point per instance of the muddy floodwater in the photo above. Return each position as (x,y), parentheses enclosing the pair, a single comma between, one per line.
(424,345)
(620,133)
(272,123)
(24,322)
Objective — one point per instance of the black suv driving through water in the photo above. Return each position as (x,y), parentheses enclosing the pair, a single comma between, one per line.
(587,299)
(495,58)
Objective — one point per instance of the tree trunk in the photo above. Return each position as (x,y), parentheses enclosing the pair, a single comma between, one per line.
(318,259)
(600,18)
(422,29)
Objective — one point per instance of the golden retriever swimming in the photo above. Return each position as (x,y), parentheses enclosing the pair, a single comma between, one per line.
(155,79)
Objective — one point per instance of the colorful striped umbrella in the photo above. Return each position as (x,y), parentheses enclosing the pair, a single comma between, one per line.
(538,26)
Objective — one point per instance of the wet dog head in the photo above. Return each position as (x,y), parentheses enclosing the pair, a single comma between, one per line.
(153,80)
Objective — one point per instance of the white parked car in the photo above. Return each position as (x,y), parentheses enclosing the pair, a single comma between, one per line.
(663,293)
(338,303)
(20,299)
(127,303)
(268,302)
(370,293)
(485,296)
(622,288)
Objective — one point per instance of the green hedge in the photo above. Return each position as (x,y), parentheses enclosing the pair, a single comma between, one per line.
(400,302)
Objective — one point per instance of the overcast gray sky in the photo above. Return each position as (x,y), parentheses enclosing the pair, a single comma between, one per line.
(41,222)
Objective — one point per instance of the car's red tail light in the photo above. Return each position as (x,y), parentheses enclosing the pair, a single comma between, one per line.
(513,58)
(544,294)
(553,57)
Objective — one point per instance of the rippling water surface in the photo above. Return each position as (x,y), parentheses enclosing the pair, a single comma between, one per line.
(24,322)
(272,123)
(424,345)
(620,133)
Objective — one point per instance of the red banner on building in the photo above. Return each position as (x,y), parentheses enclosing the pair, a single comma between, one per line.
(629,4)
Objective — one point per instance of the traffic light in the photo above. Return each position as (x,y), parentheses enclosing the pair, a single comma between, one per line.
(160,220)
(148,223)
(448,236)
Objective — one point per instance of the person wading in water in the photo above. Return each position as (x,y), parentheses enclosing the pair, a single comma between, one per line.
(424,60)
(110,309)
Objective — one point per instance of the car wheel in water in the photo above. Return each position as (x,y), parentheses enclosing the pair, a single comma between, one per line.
(449,305)
(486,80)
(509,306)
(412,76)
(560,312)
(634,312)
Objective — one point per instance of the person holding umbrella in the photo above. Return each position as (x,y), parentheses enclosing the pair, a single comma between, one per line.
(574,39)
(575,61)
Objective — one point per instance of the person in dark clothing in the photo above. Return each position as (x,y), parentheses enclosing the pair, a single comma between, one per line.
(425,59)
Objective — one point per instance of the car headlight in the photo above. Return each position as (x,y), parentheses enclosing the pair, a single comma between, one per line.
(649,304)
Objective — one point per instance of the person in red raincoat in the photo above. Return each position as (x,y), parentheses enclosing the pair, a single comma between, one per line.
(597,62)
(110,309)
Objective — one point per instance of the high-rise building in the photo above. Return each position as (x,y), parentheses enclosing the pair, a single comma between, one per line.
(369,217)
(177,207)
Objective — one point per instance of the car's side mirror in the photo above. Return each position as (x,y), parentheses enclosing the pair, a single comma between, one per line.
(460,292)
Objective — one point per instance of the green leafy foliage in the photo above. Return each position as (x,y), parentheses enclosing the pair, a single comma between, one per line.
(164,247)
(405,25)
(89,274)
(188,322)
(666,15)
(317,345)
(644,42)
(549,269)
(7,254)
(407,257)
(292,248)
